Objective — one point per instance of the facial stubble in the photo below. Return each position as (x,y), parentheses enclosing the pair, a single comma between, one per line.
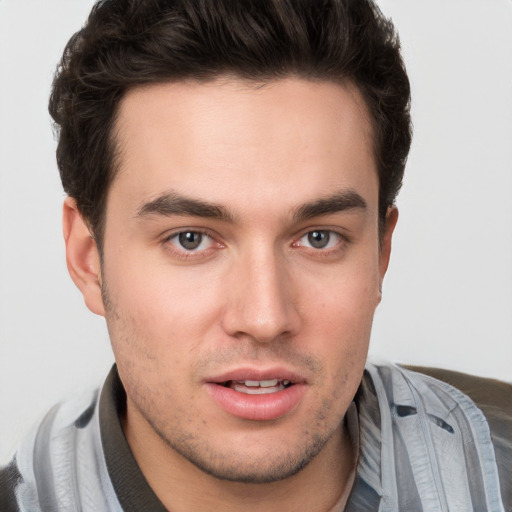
(226,464)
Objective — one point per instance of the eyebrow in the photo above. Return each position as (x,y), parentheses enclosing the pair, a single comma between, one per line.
(338,202)
(170,204)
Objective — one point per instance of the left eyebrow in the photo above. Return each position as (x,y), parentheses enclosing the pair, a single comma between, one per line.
(338,202)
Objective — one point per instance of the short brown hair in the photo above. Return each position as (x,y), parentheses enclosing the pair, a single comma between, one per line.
(126,43)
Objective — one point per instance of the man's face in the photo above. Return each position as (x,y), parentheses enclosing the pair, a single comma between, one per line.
(242,269)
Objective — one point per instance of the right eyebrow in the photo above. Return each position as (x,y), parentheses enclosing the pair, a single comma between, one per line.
(170,204)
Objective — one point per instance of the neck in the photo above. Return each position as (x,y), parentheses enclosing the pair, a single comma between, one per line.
(182,487)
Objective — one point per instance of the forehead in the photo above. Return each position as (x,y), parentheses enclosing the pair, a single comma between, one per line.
(245,140)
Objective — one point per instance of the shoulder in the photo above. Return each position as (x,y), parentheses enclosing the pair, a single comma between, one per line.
(489,394)
(494,399)
(46,459)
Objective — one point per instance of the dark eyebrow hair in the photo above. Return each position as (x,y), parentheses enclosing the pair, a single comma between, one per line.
(338,202)
(170,204)
(174,204)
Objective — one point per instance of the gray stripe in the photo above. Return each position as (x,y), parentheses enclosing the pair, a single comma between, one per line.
(76,488)
(473,463)
(43,470)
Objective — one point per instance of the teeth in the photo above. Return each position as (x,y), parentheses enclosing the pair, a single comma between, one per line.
(251,383)
(261,383)
(258,387)
(243,387)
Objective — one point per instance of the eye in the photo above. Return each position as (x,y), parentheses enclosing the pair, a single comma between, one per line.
(191,241)
(320,239)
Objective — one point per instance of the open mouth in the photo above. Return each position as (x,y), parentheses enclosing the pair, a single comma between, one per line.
(258,387)
(257,395)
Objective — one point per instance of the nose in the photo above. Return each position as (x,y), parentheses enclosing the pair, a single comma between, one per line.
(261,303)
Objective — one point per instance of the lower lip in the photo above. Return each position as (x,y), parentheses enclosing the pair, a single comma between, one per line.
(257,407)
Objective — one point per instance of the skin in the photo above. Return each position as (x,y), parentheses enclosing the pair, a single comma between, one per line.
(257,293)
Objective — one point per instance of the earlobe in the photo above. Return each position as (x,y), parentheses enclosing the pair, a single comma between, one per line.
(385,250)
(82,256)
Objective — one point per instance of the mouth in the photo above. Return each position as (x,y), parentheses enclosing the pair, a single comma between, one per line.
(257,395)
(258,387)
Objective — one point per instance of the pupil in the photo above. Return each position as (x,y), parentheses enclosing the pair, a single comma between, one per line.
(318,239)
(190,240)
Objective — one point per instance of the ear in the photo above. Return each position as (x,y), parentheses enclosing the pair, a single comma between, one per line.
(82,256)
(385,249)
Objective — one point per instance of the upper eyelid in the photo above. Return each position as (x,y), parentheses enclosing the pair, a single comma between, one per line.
(171,233)
(340,245)
(337,231)
(167,240)
(330,231)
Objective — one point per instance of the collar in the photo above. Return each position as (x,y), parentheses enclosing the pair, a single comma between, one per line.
(132,489)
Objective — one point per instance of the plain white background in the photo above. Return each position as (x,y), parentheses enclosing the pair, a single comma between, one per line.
(448,294)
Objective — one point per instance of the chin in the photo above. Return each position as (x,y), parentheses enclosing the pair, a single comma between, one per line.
(244,468)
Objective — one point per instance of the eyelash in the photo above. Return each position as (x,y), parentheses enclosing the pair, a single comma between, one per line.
(329,252)
(184,254)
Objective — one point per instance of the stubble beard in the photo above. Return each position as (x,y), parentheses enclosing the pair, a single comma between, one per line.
(228,465)
(235,467)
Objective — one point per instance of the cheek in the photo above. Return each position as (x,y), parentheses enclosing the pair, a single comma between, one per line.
(159,318)
(341,319)
(153,331)
(347,301)
(162,311)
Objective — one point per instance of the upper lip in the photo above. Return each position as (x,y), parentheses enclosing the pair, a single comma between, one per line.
(255,374)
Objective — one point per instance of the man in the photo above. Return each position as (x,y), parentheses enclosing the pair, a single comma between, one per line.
(231,170)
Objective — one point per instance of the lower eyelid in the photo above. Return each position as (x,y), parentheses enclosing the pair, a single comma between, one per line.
(340,238)
(213,245)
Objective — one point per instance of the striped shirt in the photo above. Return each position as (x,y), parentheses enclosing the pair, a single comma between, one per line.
(424,446)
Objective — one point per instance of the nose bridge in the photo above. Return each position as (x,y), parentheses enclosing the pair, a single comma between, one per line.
(261,303)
